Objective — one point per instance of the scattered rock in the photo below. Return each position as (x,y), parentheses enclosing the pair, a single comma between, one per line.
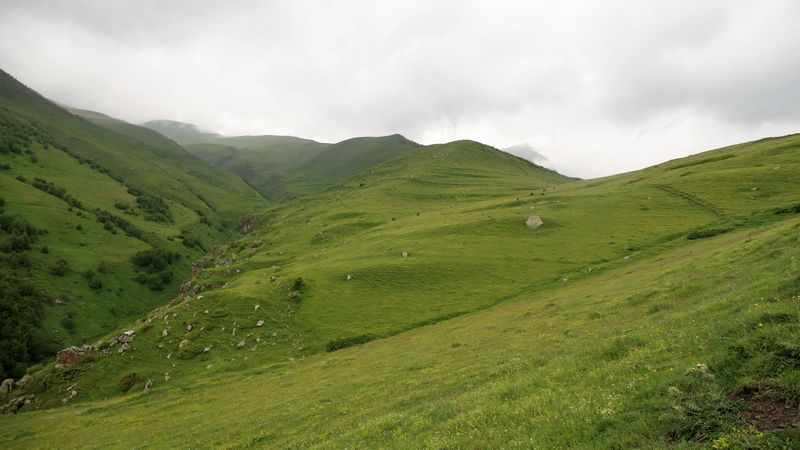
(165,333)
(7,385)
(183,343)
(256,307)
(125,348)
(186,288)
(106,351)
(72,355)
(259,323)
(126,337)
(197,267)
(247,224)
(71,393)
(349,277)
(534,222)
(404,254)
(148,384)
(15,405)
(58,301)
(241,344)
(189,327)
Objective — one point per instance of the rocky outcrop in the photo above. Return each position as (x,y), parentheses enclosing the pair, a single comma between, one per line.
(21,382)
(16,404)
(248,224)
(72,355)
(126,337)
(71,393)
(7,385)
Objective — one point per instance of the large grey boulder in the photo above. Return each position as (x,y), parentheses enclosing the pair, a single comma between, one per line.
(7,385)
(534,222)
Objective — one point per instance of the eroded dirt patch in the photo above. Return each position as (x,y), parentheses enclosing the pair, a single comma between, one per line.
(764,412)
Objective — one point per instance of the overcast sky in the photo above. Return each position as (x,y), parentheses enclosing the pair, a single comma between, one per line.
(599,87)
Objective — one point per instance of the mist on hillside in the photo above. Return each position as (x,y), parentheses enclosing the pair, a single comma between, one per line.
(529,152)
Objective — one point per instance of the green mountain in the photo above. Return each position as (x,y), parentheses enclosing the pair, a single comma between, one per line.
(81,196)
(283,167)
(410,306)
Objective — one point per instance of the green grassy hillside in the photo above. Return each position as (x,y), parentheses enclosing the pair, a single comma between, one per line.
(80,199)
(652,309)
(283,167)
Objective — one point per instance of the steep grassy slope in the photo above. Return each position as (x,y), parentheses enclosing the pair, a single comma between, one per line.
(92,196)
(571,334)
(283,167)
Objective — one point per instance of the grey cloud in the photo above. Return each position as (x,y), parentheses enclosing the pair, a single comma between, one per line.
(598,86)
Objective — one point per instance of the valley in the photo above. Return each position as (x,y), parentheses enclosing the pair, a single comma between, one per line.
(396,301)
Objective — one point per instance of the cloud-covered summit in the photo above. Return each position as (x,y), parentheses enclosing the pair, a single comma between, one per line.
(599,86)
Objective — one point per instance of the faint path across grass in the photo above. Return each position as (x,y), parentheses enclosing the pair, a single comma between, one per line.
(694,200)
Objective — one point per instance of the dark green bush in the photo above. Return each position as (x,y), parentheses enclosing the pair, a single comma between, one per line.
(795,209)
(21,312)
(68,323)
(128,381)
(706,233)
(155,209)
(156,259)
(338,344)
(60,268)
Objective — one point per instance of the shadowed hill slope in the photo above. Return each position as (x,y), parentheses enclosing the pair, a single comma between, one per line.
(80,198)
